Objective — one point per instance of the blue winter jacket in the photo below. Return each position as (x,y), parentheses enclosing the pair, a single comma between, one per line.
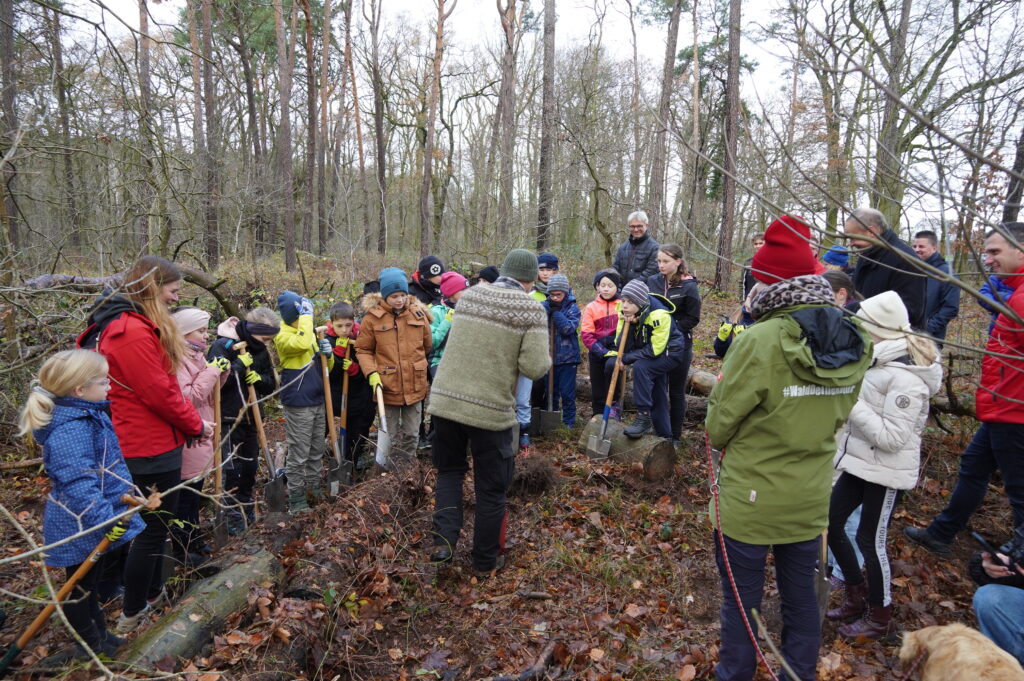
(566,322)
(942,301)
(88,477)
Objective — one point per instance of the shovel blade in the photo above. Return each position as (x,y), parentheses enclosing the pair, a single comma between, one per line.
(598,448)
(383,456)
(275,494)
(220,529)
(550,420)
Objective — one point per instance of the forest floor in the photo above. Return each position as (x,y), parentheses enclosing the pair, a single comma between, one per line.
(613,575)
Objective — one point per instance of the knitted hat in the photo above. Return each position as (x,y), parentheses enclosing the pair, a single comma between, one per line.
(548,261)
(838,256)
(392,280)
(520,264)
(884,315)
(430,266)
(489,274)
(191,319)
(786,252)
(558,282)
(452,283)
(636,292)
(611,274)
(286,306)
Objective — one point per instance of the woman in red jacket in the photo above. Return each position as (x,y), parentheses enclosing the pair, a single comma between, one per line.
(133,329)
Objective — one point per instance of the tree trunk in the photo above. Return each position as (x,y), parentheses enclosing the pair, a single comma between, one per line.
(311,125)
(321,171)
(634,107)
(211,162)
(378,123)
(284,140)
(8,99)
(723,267)
(659,153)
(547,129)
(1014,189)
(506,116)
(887,186)
(359,126)
(147,187)
(73,226)
(433,95)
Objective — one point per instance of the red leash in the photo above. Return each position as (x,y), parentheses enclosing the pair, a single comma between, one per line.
(725,555)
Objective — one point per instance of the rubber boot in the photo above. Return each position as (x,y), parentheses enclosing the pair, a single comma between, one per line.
(876,624)
(855,602)
(297,502)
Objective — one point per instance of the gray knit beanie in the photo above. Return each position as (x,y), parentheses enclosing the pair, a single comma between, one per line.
(520,264)
(635,292)
(558,282)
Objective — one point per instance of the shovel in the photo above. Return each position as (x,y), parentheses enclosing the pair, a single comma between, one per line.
(550,418)
(62,594)
(383,439)
(274,491)
(598,446)
(822,585)
(220,525)
(338,473)
(343,422)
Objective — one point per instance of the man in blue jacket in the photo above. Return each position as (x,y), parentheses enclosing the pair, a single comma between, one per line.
(942,299)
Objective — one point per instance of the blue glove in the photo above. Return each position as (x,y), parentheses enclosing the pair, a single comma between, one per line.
(304,306)
(325,347)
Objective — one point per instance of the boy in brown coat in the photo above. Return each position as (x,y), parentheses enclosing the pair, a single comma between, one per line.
(392,349)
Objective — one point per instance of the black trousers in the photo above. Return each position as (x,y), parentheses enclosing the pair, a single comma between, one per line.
(82,606)
(241,455)
(677,394)
(143,569)
(600,381)
(186,536)
(493,467)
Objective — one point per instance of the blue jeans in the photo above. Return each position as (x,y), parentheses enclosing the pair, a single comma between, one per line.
(995,446)
(523,416)
(565,392)
(1000,612)
(801,628)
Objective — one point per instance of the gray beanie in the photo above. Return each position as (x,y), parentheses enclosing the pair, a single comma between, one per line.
(635,292)
(559,282)
(520,264)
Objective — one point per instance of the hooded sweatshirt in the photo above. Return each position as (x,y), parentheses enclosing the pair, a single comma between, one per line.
(88,478)
(198,381)
(787,385)
(881,441)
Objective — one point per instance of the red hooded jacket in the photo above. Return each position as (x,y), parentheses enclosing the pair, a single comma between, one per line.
(1000,397)
(150,414)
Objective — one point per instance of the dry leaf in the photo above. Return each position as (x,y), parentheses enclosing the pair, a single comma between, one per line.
(687,673)
(195,617)
(596,654)
(395,654)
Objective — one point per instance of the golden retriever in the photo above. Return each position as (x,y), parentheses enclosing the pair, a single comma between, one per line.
(955,652)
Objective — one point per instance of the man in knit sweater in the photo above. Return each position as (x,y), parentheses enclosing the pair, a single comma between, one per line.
(499,333)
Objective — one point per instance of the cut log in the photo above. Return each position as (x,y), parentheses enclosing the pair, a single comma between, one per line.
(183,631)
(657,455)
(701,382)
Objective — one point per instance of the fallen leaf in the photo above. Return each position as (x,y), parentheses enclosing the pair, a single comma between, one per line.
(209,676)
(395,654)
(195,617)
(687,673)
(633,610)
(596,654)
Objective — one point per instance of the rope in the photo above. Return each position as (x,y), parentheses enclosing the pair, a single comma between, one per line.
(725,557)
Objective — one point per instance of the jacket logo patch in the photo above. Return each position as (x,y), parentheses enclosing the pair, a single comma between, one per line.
(902,401)
(435,270)
(816,390)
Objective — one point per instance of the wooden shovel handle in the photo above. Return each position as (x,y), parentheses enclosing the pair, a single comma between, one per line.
(618,366)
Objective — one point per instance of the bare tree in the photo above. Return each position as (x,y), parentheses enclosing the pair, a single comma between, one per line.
(211,161)
(434,93)
(309,208)
(284,139)
(364,185)
(505,117)
(723,266)
(60,80)
(659,154)
(1015,186)
(377,83)
(321,170)
(547,128)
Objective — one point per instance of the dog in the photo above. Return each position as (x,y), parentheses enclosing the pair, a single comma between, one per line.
(955,652)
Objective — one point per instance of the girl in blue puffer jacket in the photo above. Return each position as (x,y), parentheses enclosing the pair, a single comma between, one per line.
(67,414)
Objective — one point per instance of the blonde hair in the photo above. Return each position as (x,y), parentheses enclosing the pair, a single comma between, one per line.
(263,315)
(922,350)
(58,377)
(142,285)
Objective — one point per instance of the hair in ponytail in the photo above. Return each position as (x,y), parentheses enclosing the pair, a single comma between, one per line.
(922,350)
(142,285)
(675,251)
(58,377)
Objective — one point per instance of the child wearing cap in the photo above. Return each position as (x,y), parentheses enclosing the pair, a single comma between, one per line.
(392,348)
(547,266)
(302,398)
(654,347)
(426,281)
(564,320)
(597,331)
(452,286)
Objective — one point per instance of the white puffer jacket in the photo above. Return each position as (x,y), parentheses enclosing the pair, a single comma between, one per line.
(881,441)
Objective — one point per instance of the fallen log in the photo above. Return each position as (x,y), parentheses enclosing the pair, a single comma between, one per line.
(191,624)
(657,455)
(16,465)
(698,382)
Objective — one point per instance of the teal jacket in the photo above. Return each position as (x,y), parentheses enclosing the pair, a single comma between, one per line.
(787,385)
(439,329)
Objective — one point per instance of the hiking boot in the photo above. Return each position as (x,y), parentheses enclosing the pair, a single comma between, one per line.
(923,537)
(524,440)
(642,425)
(484,574)
(443,554)
(876,624)
(297,503)
(128,623)
(855,602)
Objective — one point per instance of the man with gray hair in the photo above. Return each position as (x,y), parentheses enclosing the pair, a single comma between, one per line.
(886,266)
(637,258)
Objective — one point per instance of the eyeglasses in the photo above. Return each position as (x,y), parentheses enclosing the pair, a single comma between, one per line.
(637,226)
(99,381)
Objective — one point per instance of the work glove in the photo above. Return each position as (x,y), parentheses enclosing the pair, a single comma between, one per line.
(246,359)
(117,531)
(220,364)
(341,343)
(374,380)
(449,314)
(612,353)
(325,347)
(304,306)
(738,329)
(252,377)
(345,364)
(724,331)
(555,306)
